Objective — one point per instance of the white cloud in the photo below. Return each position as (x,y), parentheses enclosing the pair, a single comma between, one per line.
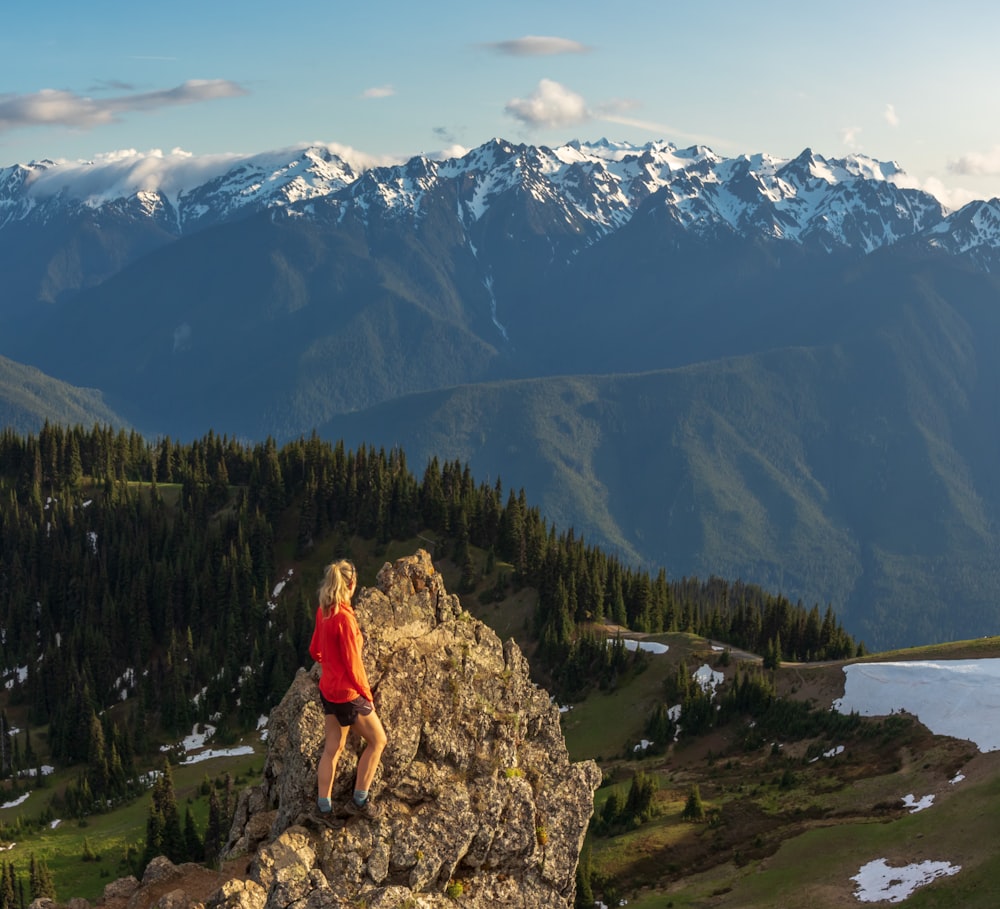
(950,197)
(849,136)
(56,107)
(359,160)
(448,152)
(649,126)
(127,171)
(129,168)
(977,164)
(538,46)
(549,105)
(891,117)
(379,91)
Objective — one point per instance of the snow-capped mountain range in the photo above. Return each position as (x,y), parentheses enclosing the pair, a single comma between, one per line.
(855,202)
(778,369)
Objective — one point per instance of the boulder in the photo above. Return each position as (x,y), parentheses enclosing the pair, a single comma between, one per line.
(480,796)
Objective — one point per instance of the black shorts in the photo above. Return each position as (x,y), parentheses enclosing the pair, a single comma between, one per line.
(349,711)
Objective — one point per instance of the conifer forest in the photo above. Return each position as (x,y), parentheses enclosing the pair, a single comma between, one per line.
(144,572)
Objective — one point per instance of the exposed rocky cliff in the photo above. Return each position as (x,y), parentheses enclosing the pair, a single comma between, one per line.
(481,800)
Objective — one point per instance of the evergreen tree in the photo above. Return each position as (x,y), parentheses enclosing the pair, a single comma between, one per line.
(584,889)
(154,836)
(88,852)
(163,826)
(213,830)
(97,760)
(612,810)
(7,886)
(694,810)
(638,806)
(772,656)
(40,880)
(74,476)
(194,847)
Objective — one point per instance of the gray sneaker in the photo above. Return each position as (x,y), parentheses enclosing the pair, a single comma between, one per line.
(369,809)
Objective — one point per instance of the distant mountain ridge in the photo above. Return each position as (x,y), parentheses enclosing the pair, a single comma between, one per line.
(855,201)
(782,370)
(181,194)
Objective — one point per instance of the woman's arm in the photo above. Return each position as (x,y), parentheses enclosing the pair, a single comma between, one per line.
(349,644)
(314,650)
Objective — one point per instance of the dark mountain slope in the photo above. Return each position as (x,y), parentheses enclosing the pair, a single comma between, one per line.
(266,327)
(47,263)
(856,473)
(654,295)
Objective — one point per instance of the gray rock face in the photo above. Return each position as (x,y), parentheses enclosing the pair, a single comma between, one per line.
(479,794)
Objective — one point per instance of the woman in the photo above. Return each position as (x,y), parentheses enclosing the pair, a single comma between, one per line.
(344,690)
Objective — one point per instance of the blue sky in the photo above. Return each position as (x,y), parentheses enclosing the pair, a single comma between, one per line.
(911,82)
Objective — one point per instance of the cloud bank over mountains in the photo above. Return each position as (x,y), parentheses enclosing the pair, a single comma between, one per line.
(57,107)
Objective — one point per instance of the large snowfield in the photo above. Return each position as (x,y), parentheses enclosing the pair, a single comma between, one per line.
(958,698)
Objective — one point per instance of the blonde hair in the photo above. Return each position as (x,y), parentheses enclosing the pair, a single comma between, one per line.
(336,585)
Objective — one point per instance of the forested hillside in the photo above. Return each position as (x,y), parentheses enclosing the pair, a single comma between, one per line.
(28,397)
(149,572)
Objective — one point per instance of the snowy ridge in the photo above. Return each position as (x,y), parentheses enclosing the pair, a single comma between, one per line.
(590,188)
(178,189)
(973,230)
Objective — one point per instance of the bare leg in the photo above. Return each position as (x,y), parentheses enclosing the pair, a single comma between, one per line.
(370,729)
(326,771)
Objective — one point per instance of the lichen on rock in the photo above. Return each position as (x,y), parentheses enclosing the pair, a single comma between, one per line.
(479,793)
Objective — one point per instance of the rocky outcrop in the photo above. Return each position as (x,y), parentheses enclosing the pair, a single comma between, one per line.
(480,797)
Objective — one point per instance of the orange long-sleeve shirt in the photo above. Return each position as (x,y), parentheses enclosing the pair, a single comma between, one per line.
(336,645)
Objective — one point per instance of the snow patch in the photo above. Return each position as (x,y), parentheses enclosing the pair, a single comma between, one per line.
(833,752)
(957,698)
(708,678)
(878,881)
(210,753)
(20,675)
(272,603)
(917,805)
(645,646)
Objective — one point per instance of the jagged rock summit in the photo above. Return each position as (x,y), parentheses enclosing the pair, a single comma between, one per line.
(479,793)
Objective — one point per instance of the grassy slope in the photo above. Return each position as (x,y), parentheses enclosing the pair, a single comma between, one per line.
(780,846)
(108,835)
